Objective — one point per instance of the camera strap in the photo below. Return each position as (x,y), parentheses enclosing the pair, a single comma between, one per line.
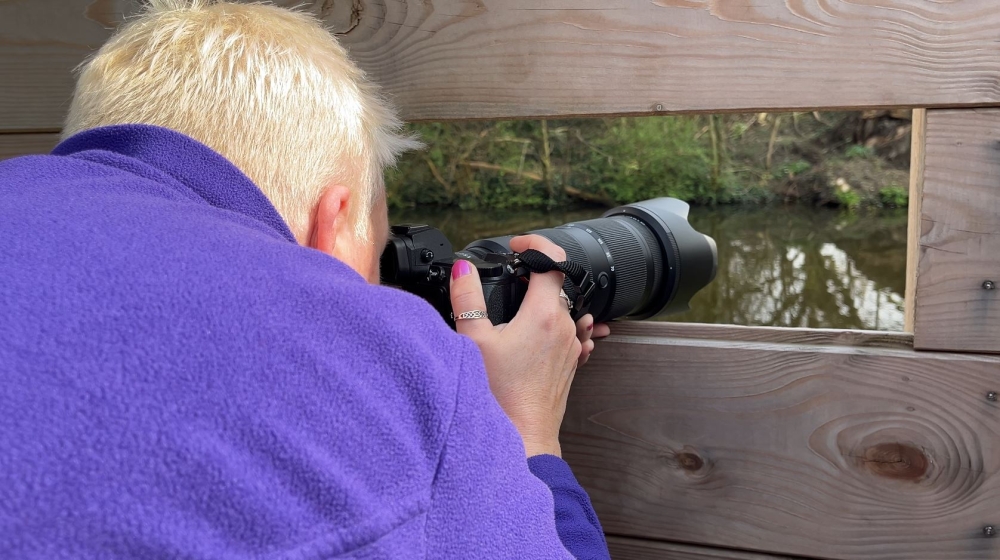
(577,284)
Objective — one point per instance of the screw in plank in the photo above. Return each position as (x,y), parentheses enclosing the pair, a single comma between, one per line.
(991,396)
(659,107)
(989,531)
(989,285)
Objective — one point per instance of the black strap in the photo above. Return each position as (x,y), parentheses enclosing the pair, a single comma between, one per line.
(576,276)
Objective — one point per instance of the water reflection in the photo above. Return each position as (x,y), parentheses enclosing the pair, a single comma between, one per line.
(788,266)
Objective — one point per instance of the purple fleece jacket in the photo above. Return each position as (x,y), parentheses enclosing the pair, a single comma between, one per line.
(180,379)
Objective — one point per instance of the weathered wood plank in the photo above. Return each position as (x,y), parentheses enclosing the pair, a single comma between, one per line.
(13,145)
(454,59)
(761,443)
(918,140)
(775,335)
(960,233)
(624,548)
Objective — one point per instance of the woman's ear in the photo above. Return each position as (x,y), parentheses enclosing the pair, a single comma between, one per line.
(332,229)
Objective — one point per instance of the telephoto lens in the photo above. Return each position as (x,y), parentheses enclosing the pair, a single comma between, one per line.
(644,258)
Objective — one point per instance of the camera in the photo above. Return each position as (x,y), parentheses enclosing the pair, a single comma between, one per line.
(639,261)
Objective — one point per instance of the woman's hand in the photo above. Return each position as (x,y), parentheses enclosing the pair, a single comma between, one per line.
(530,361)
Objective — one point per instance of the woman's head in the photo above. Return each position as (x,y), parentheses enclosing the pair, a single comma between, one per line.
(268,88)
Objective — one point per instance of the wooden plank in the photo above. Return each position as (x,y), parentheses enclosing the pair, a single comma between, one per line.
(820,337)
(800,448)
(624,548)
(13,145)
(455,59)
(960,233)
(918,139)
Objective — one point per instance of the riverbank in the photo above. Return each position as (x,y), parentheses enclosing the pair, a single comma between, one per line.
(851,160)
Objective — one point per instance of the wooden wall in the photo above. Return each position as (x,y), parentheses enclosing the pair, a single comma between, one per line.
(959,221)
(447,59)
(16,144)
(704,442)
(820,444)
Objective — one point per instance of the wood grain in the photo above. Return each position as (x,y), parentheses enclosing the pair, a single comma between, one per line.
(761,443)
(733,333)
(13,145)
(458,59)
(960,233)
(623,548)
(918,140)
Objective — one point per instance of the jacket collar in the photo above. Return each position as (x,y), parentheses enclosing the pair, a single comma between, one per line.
(210,176)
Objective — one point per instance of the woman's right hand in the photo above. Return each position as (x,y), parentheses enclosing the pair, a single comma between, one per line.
(532,360)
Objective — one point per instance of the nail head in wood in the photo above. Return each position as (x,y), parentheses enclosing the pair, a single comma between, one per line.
(991,396)
(989,531)
(989,285)
(659,107)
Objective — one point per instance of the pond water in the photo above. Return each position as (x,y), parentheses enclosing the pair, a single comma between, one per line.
(783,266)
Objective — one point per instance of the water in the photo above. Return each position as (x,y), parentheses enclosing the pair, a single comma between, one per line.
(784,266)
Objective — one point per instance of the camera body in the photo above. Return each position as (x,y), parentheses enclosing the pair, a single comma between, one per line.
(419,259)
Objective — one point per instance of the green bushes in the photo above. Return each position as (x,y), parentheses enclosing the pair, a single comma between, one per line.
(894,197)
(856,151)
(635,159)
(704,159)
(547,163)
(849,199)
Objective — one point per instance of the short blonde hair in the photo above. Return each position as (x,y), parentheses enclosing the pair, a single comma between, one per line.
(268,88)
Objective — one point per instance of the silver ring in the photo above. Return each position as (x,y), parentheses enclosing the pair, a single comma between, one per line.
(474,314)
(569,304)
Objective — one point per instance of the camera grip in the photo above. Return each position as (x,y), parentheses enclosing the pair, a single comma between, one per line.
(502,300)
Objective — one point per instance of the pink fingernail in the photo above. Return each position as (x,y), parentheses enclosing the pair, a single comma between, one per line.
(460,269)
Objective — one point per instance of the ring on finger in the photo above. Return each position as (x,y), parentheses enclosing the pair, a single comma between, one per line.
(569,304)
(474,314)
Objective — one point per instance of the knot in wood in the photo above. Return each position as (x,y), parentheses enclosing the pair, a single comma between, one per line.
(896,460)
(690,462)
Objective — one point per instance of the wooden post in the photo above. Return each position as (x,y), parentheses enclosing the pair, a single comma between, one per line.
(959,225)
(917,145)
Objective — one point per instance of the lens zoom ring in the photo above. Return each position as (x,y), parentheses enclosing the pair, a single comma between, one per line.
(630,262)
(659,274)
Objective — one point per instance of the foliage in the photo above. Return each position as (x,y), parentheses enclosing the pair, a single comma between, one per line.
(635,159)
(703,159)
(793,169)
(535,163)
(856,151)
(849,199)
(894,196)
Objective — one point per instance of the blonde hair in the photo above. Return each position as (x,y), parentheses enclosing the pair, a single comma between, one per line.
(268,88)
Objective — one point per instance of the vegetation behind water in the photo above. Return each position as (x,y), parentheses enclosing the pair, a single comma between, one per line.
(826,159)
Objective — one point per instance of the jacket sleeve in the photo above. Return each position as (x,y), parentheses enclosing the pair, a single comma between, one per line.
(486,503)
(578,527)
